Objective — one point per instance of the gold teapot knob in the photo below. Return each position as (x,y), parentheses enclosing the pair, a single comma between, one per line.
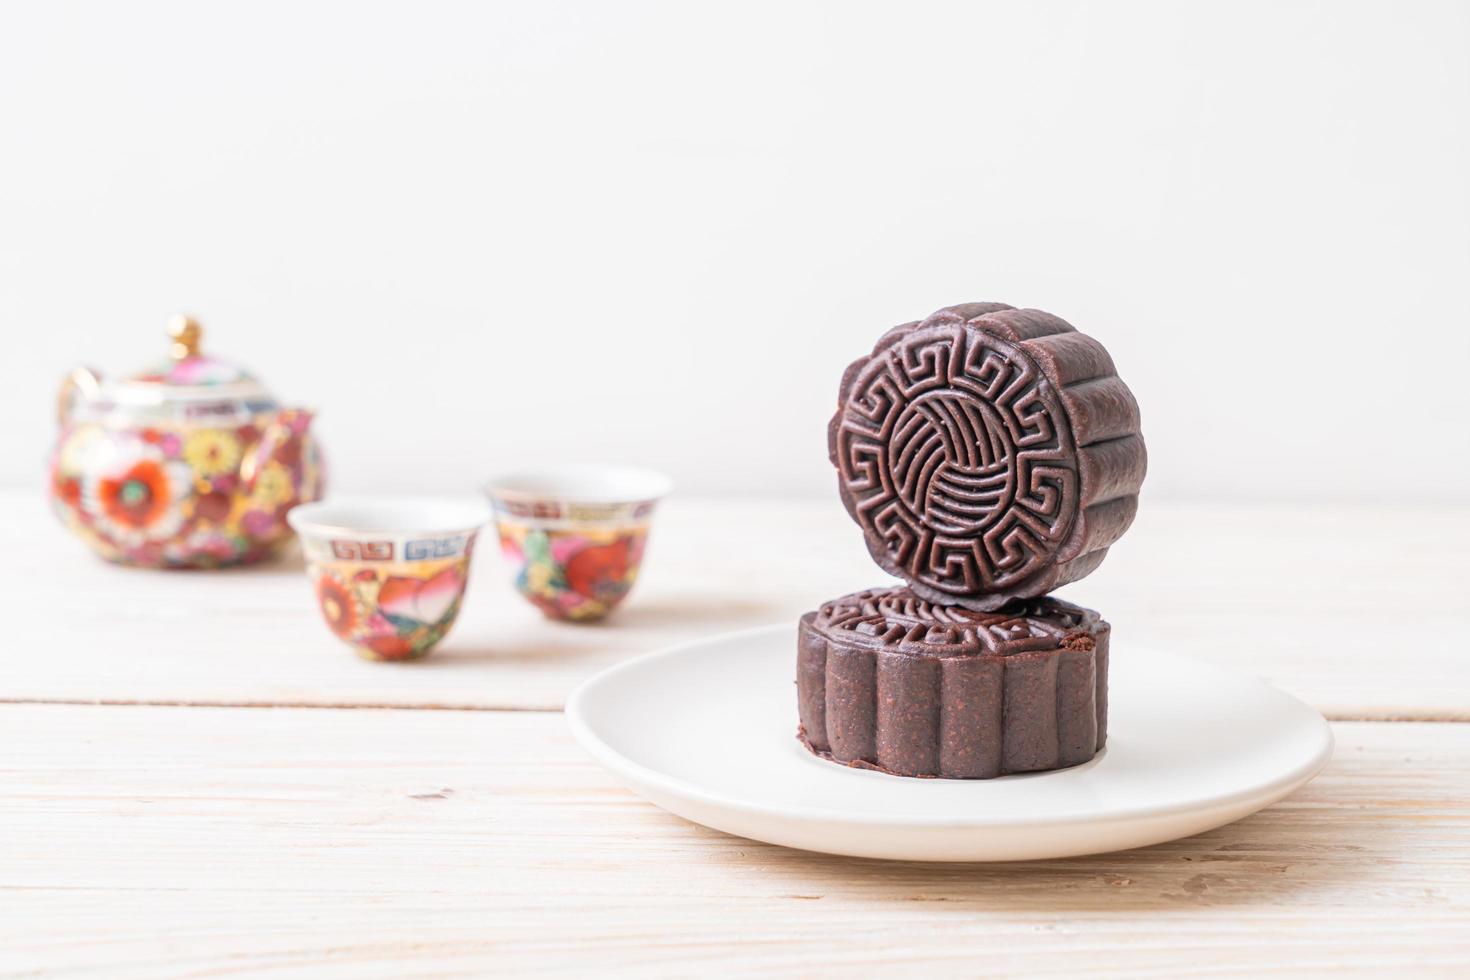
(185,332)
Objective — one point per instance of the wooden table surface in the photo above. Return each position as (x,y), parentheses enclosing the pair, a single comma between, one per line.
(199,780)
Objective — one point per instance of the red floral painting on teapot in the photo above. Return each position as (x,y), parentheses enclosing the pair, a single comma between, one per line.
(187,496)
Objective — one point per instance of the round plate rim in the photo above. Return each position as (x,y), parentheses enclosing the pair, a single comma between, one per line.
(621,764)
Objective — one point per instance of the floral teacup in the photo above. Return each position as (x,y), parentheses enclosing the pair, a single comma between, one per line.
(389,575)
(576,534)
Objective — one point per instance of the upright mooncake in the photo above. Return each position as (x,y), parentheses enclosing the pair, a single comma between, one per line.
(987,453)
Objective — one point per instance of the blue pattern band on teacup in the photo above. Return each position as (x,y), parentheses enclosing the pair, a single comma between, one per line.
(388,549)
(421,548)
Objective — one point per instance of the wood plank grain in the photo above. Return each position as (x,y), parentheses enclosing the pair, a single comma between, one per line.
(1356,609)
(147,841)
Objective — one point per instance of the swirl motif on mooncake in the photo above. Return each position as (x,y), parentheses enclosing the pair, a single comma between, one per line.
(988,453)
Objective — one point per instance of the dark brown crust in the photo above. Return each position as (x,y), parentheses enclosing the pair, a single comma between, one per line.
(888,681)
(1054,457)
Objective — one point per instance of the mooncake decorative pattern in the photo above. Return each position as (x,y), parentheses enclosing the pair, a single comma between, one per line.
(988,453)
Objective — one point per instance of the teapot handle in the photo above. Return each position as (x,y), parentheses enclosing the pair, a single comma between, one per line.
(83,383)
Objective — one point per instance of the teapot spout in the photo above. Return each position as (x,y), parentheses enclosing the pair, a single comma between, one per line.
(284,440)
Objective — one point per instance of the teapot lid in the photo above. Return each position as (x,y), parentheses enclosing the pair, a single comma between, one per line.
(188,374)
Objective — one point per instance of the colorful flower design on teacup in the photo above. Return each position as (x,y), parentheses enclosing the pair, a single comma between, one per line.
(414,602)
(575,574)
(395,613)
(390,595)
(340,605)
(576,533)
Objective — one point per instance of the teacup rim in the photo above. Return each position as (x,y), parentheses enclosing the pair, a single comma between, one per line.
(582,483)
(366,514)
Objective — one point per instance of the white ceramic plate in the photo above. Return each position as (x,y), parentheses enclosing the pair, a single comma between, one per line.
(707,730)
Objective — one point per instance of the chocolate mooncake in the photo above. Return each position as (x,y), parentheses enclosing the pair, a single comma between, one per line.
(887,680)
(988,453)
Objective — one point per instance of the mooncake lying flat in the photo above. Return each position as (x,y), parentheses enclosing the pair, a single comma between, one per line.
(887,680)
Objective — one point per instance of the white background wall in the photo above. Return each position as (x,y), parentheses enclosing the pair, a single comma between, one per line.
(480,237)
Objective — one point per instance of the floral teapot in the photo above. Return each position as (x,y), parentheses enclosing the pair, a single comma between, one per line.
(188,465)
